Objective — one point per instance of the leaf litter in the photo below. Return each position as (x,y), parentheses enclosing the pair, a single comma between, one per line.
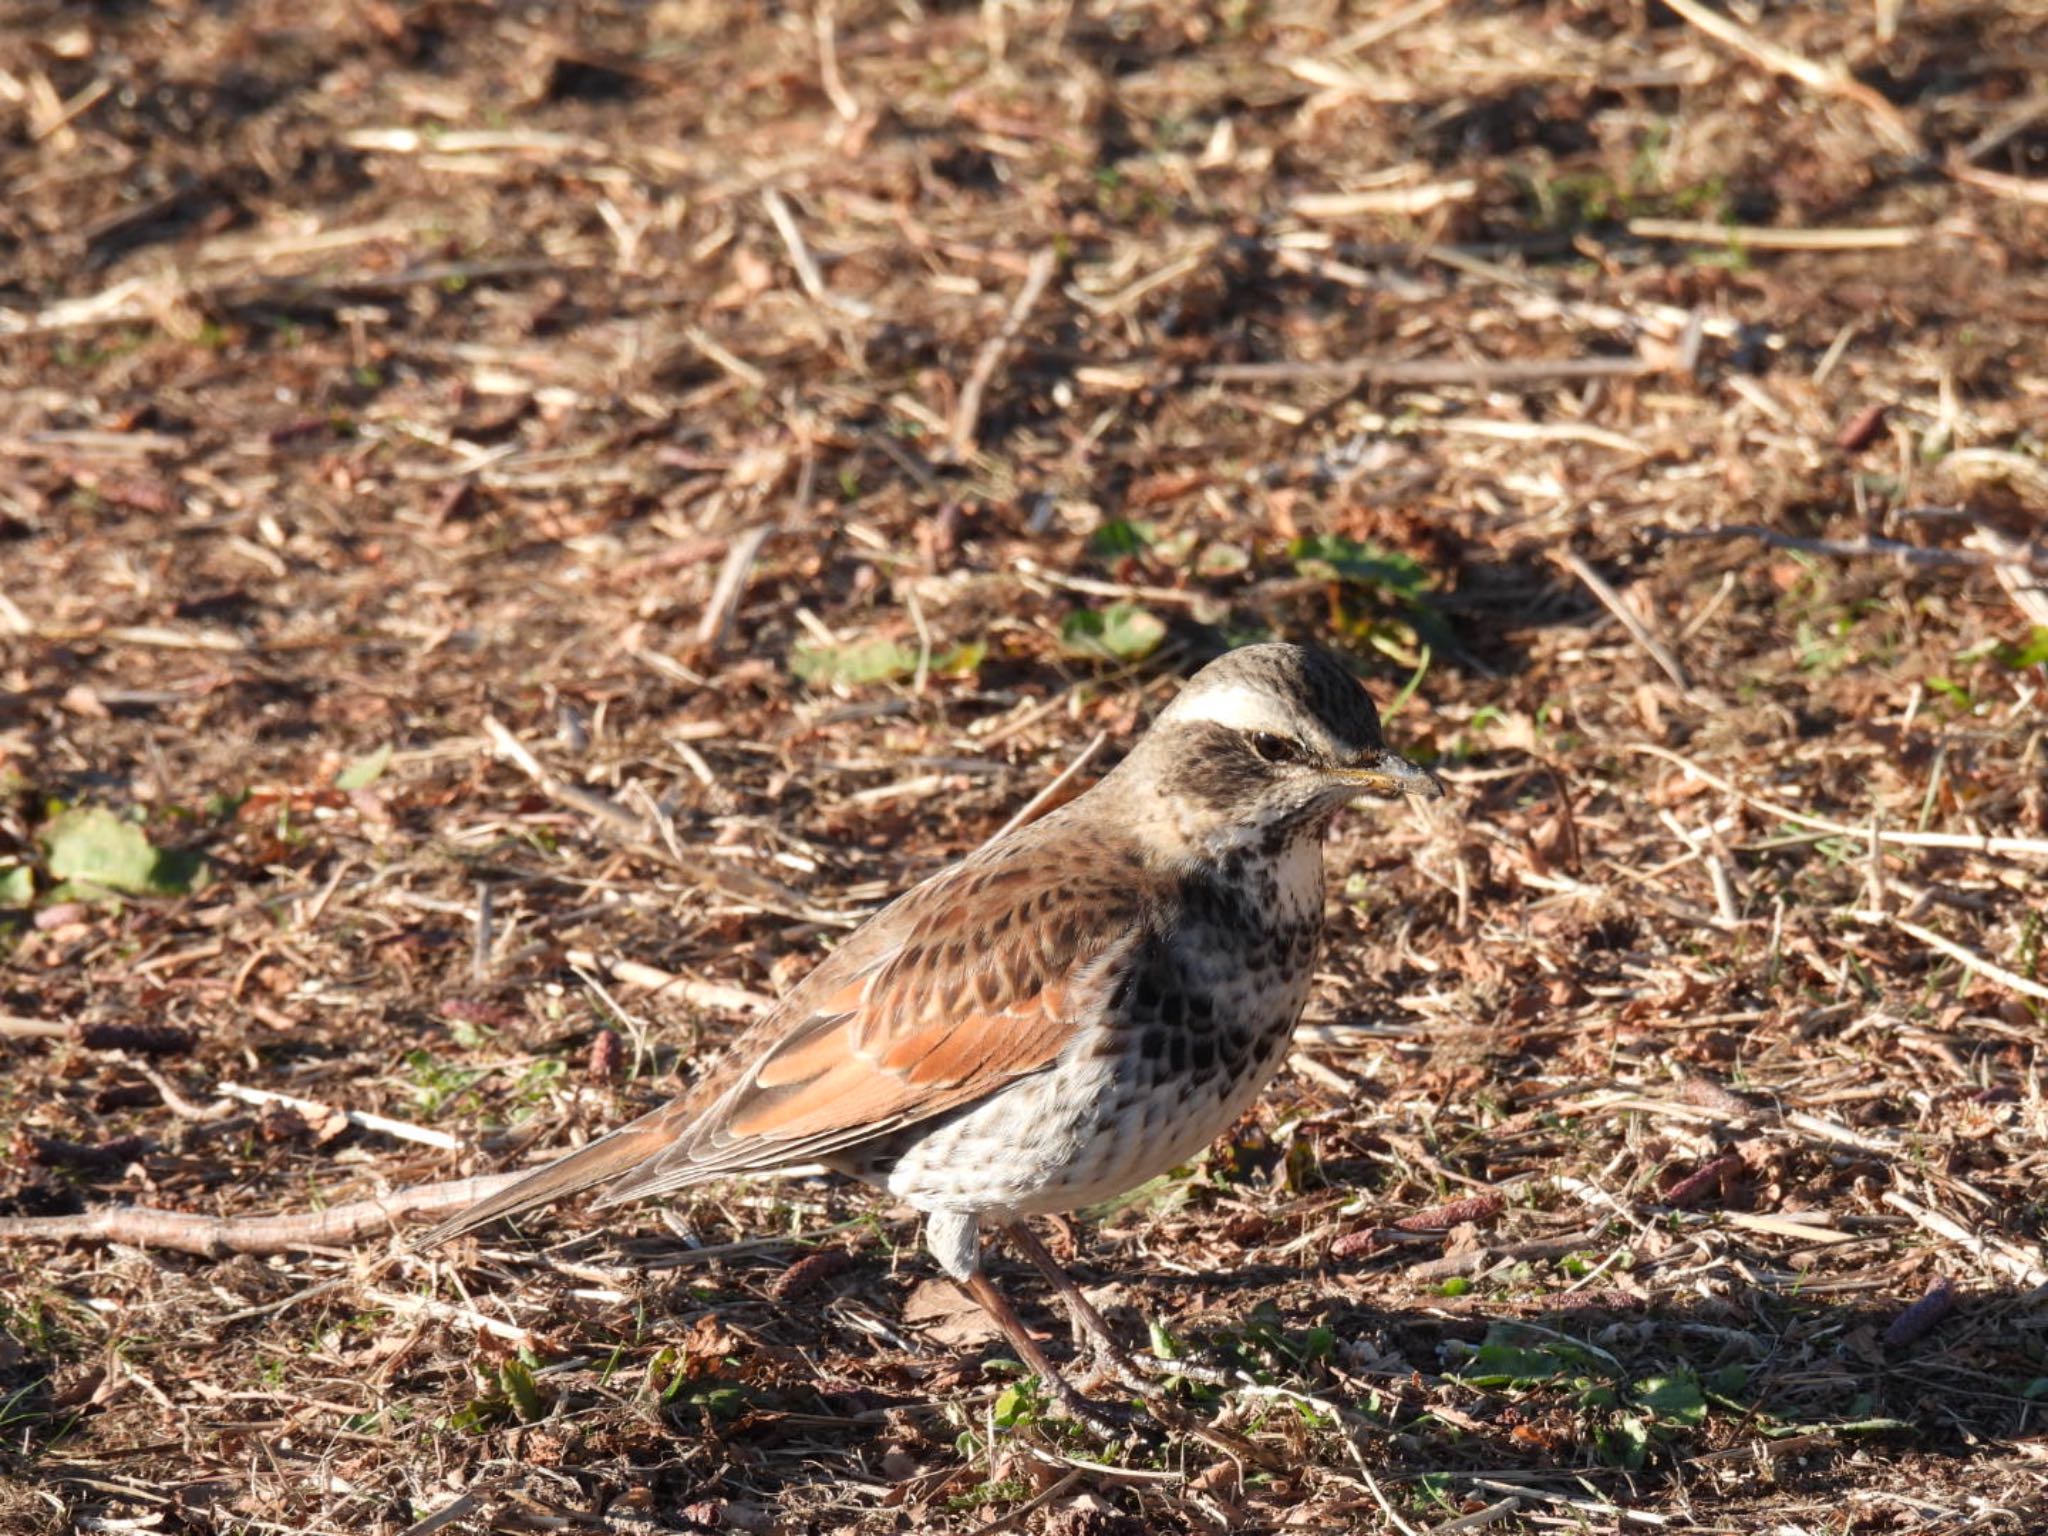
(796,435)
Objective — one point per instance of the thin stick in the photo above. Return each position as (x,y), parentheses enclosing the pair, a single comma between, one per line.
(731,585)
(1762,237)
(516,752)
(2031,598)
(181,1106)
(1969,959)
(1906,554)
(1408,201)
(825,22)
(215,1237)
(1942,1225)
(1431,371)
(1033,808)
(701,994)
(2023,847)
(967,413)
(1478,1518)
(807,271)
(14,1027)
(447,1312)
(2021,189)
(1030,1507)
(480,948)
(403,1130)
(724,358)
(641,834)
(1386,26)
(1832,82)
(1656,649)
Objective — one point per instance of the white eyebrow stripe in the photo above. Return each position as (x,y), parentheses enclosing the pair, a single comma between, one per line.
(1236,706)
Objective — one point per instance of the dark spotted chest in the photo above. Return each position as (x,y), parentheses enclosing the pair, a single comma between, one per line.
(1219,996)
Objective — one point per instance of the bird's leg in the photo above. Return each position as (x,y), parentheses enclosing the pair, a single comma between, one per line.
(1104,1421)
(1132,1370)
(1090,1327)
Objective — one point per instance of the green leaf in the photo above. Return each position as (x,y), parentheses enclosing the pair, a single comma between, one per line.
(1676,1397)
(2030,652)
(721,1400)
(1014,1406)
(1627,1443)
(93,846)
(1121,632)
(1222,560)
(1953,691)
(855,663)
(1118,538)
(667,1372)
(17,885)
(517,1379)
(1504,1361)
(962,660)
(365,770)
(1333,557)
(1729,1380)
(1501,1364)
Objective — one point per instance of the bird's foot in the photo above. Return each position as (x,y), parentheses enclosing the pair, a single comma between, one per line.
(1112,1423)
(1143,1372)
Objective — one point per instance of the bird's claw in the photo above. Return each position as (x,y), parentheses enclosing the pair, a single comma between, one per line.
(1143,1372)
(1114,1423)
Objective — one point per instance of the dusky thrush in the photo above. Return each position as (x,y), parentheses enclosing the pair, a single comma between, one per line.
(1078,1006)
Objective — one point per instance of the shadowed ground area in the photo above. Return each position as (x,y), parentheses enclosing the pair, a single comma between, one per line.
(518,526)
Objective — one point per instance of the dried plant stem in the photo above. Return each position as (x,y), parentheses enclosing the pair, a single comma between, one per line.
(1763,237)
(1631,621)
(1969,959)
(1834,82)
(2007,556)
(362,1119)
(1044,800)
(645,835)
(800,257)
(215,1237)
(1432,371)
(967,414)
(1984,843)
(2018,1266)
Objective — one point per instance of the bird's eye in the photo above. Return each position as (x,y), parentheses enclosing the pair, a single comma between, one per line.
(1275,749)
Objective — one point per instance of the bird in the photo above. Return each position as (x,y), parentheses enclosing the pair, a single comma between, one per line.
(1081,1004)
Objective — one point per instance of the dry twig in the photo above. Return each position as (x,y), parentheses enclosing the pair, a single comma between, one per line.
(215,1237)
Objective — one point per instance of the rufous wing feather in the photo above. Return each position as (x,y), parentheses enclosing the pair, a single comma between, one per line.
(976,978)
(609,1157)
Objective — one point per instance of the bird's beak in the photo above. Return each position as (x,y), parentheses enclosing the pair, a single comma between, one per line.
(1386,773)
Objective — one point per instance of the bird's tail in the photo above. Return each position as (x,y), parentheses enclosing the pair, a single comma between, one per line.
(604,1160)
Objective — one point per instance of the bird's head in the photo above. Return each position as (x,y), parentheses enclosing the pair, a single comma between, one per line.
(1272,737)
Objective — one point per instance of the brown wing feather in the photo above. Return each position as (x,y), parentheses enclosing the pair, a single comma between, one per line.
(991,966)
(970,981)
(603,1160)
(840,1082)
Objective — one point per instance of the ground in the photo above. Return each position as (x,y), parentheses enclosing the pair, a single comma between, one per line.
(520,524)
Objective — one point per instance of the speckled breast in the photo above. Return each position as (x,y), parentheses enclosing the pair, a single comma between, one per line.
(1193,1028)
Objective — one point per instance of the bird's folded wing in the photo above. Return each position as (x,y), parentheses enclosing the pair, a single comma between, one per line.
(971,981)
(983,985)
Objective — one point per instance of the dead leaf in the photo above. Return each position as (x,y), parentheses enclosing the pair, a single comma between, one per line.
(945,1313)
